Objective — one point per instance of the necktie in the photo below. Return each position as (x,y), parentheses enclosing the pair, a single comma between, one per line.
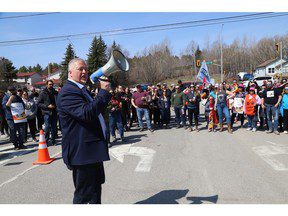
(101,119)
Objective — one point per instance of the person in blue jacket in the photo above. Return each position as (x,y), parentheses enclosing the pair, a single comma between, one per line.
(84,145)
(284,108)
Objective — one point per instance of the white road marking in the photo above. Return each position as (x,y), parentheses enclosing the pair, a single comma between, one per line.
(15,154)
(146,156)
(267,153)
(6,148)
(118,152)
(25,171)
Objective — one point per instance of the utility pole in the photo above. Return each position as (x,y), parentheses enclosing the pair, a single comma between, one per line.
(281,56)
(49,69)
(221,50)
(195,64)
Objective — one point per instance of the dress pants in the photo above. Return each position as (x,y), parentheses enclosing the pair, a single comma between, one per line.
(87,181)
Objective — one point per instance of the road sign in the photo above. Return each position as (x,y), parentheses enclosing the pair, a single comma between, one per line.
(209,62)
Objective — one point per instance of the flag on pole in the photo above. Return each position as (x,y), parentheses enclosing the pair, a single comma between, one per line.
(203,74)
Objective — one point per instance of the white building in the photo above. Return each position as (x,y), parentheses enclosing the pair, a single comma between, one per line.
(55,75)
(271,67)
(28,78)
(284,68)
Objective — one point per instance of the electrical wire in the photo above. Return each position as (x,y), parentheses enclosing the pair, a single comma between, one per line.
(152,28)
(28,15)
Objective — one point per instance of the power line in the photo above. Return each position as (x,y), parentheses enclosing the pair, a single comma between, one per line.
(27,15)
(143,29)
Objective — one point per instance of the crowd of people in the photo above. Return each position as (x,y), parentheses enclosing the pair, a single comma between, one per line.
(265,107)
(21,109)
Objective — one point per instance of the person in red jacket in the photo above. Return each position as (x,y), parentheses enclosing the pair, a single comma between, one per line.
(251,103)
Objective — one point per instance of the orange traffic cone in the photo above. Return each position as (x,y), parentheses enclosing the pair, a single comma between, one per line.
(43,154)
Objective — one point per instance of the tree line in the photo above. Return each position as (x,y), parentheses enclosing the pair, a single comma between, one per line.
(157,62)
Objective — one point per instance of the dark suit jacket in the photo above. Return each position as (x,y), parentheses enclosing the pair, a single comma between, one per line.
(82,137)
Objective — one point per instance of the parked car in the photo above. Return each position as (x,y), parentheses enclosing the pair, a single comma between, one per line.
(241,75)
(246,78)
(260,80)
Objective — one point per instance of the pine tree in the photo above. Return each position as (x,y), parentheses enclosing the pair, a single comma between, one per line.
(69,55)
(102,52)
(97,55)
(93,59)
(54,67)
(7,70)
(37,68)
(23,69)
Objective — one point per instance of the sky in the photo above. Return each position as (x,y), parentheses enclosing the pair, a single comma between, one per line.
(80,22)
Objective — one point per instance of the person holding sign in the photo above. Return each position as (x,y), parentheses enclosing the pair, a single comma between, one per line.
(237,109)
(16,118)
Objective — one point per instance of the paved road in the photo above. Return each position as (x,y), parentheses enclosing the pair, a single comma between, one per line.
(167,166)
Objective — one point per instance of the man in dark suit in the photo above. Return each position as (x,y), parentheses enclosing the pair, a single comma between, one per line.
(84,146)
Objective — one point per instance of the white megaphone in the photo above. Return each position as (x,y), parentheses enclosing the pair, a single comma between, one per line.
(117,62)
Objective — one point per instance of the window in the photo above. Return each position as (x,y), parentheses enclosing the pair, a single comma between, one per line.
(271,70)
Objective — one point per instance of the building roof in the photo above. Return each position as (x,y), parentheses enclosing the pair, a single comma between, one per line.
(283,65)
(27,74)
(266,63)
(56,81)
(54,73)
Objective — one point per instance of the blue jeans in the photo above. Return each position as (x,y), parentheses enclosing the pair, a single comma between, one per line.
(179,115)
(17,140)
(140,113)
(251,121)
(164,115)
(223,109)
(275,113)
(50,122)
(116,120)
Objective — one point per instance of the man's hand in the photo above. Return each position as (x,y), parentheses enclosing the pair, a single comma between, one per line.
(263,106)
(276,105)
(105,84)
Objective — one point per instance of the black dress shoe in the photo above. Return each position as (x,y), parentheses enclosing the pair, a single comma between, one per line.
(22,147)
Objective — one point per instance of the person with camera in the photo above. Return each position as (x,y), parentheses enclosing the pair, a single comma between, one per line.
(140,100)
(14,109)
